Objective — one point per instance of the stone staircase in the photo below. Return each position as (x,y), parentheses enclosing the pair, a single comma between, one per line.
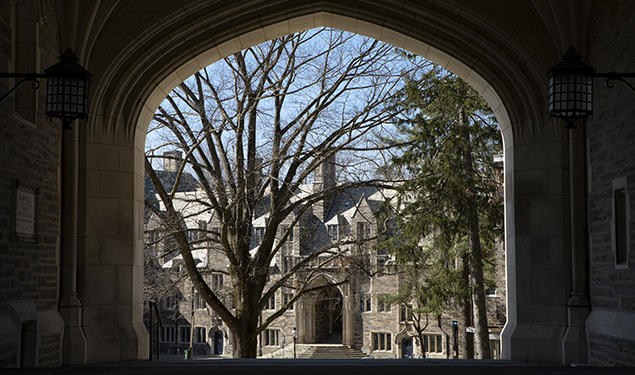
(328,351)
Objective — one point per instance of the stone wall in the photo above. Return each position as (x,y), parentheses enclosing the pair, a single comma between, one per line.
(29,153)
(381,321)
(610,136)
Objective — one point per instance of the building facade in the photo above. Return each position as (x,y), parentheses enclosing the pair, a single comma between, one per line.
(347,305)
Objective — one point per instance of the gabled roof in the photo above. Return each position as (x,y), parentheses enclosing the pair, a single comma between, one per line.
(187,182)
(346,203)
(200,257)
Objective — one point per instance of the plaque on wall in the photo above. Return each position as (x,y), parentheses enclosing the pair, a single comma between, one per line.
(23,222)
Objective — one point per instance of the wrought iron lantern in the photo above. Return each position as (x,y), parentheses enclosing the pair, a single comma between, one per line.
(571,88)
(67,89)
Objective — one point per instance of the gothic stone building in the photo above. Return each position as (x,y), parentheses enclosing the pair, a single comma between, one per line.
(348,307)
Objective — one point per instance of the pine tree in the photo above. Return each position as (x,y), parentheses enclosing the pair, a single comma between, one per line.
(450,203)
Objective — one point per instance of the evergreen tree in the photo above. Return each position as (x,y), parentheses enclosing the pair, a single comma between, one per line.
(450,209)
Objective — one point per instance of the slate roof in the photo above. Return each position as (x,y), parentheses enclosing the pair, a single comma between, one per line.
(167,178)
(347,199)
(187,182)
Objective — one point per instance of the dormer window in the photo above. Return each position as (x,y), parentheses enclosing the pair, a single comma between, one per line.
(363,230)
(333,232)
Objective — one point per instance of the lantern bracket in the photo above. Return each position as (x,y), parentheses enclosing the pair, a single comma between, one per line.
(611,77)
(26,77)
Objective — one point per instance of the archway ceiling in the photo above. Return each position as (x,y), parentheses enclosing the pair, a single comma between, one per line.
(130,46)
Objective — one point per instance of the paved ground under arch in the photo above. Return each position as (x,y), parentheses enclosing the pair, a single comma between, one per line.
(320,366)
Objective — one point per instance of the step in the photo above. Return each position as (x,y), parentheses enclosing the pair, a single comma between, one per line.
(329,351)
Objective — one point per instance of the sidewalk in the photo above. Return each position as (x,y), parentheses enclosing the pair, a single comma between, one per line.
(173,366)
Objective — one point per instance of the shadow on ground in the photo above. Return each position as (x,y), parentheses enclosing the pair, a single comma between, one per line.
(173,366)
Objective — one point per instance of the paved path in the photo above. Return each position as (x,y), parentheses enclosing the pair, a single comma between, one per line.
(323,366)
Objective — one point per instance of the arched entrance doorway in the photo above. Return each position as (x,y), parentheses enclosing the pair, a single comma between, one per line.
(328,316)
(218,343)
(322,316)
(407,347)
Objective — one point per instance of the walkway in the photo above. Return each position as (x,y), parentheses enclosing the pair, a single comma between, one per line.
(323,366)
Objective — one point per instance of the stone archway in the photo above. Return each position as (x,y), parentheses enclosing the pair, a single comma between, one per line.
(322,316)
(218,342)
(138,66)
(327,317)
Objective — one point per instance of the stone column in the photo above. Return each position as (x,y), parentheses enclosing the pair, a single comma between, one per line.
(110,243)
(70,307)
(348,336)
(537,241)
(300,320)
(309,313)
(574,346)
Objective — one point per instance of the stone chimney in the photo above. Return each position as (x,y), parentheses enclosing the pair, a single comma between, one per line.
(172,160)
(323,179)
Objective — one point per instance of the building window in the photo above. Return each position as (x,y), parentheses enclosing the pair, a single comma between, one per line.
(382,305)
(288,244)
(215,234)
(201,234)
(200,335)
(433,343)
(168,334)
(169,302)
(270,337)
(495,349)
(490,292)
(365,303)
(286,297)
(184,334)
(217,280)
(271,303)
(405,314)
(259,233)
(381,340)
(363,230)
(290,238)
(199,302)
(333,232)
(620,223)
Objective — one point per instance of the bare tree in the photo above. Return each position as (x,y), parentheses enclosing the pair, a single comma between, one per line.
(253,128)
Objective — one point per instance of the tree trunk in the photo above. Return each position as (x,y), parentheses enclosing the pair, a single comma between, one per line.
(245,341)
(478,290)
(244,346)
(476,261)
(467,343)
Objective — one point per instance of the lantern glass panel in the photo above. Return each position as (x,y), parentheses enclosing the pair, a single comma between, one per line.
(67,97)
(570,94)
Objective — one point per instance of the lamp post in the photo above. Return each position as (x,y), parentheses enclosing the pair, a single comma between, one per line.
(295,339)
(66,90)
